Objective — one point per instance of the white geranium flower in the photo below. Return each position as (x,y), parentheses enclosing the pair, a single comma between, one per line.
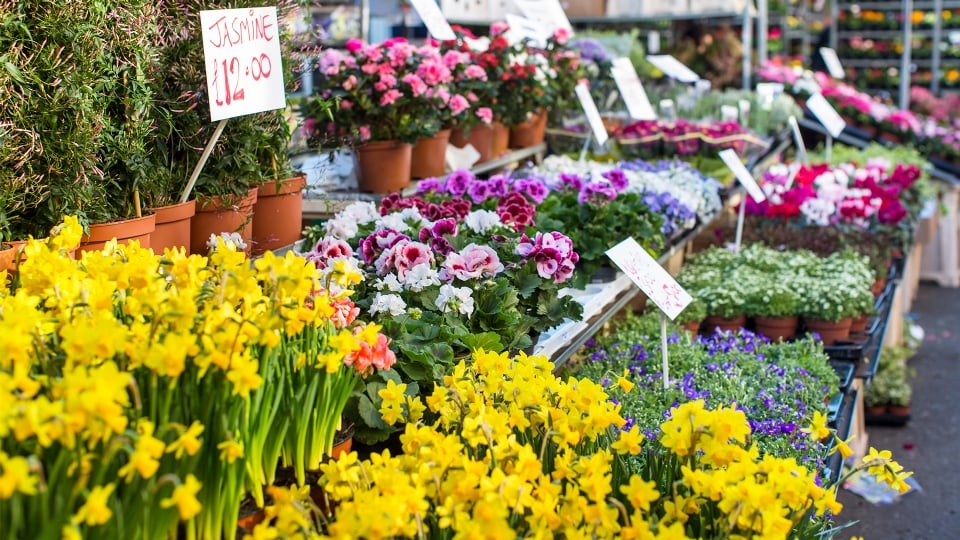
(458,299)
(393,221)
(388,282)
(387,303)
(481,221)
(420,277)
(362,212)
(229,239)
(342,228)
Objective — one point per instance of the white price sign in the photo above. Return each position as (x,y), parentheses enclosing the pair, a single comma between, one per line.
(653,280)
(826,114)
(549,13)
(732,161)
(832,61)
(628,82)
(798,139)
(434,19)
(673,68)
(522,28)
(593,115)
(241,49)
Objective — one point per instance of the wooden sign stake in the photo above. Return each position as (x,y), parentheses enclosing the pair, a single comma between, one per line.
(203,160)
(663,347)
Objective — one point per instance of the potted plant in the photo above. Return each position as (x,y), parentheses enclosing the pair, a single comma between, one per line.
(692,316)
(726,303)
(774,302)
(827,308)
(472,79)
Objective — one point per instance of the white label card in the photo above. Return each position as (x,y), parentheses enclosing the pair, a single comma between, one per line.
(434,19)
(549,13)
(241,50)
(798,139)
(522,28)
(732,161)
(638,104)
(593,115)
(826,114)
(673,68)
(653,280)
(832,61)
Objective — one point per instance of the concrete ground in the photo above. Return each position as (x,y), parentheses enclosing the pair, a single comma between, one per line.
(928,444)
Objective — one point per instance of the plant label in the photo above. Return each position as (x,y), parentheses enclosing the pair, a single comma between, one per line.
(830,58)
(826,114)
(653,280)
(434,19)
(241,50)
(673,68)
(549,13)
(653,42)
(798,139)
(732,161)
(635,97)
(593,115)
(522,28)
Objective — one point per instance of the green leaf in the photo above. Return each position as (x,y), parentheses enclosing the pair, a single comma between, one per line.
(14,72)
(371,414)
(488,341)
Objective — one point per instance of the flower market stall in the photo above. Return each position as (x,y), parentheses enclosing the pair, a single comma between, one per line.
(456,352)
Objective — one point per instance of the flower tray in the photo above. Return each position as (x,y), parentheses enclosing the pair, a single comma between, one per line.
(843,423)
(845,372)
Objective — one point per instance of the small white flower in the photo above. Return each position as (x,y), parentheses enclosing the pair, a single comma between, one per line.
(229,239)
(393,221)
(387,303)
(360,212)
(480,221)
(388,282)
(459,299)
(342,228)
(420,277)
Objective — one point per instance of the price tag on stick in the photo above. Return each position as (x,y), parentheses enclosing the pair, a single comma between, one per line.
(732,161)
(656,283)
(798,139)
(241,49)
(830,58)
(434,19)
(826,114)
(673,68)
(635,97)
(593,115)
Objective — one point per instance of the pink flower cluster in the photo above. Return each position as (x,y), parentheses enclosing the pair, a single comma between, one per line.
(402,257)
(552,253)
(472,262)
(327,250)
(515,210)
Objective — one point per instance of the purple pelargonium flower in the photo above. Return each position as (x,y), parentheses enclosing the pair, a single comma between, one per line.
(596,191)
(372,246)
(571,181)
(531,187)
(552,253)
(498,186)
(458,182)
(430,185)
(478,191)
(617,179)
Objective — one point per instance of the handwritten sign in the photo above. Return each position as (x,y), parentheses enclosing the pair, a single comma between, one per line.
(673,68)
(733,162)
(241,48)
(548,13)
(826,114)
(653,280)
(593,115)
(628,82)
(830,58)
(522,28)
(433,19)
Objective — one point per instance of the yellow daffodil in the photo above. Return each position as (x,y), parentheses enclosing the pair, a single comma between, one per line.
(817,430)
(184,497)
(96,509)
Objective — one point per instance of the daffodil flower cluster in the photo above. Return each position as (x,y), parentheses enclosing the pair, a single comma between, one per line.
(510,451)
(140,390)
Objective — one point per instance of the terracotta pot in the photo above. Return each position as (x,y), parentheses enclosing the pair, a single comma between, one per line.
(173,226)
(859,324)
(529,133)
(383,166)
(777,328)
(8,257)
(18,253)
(124,231)
(278,214)
(693,327)
(342,447)
(875,410)
(715,322)
(878,286)
(216,215)
(501,140)
(898,410)
(429,155)
(248,523)
(830,331)
(479,136)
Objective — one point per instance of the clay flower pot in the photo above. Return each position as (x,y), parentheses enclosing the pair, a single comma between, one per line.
(859,324)
(429,155)
(125,231)
(898,410)
(383,166)
(278,214)
(216,215)
(501,140)
(830,331)
(692,327)
(716,322)
(529,133)
(479,136)
(173,226)
(777,328)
